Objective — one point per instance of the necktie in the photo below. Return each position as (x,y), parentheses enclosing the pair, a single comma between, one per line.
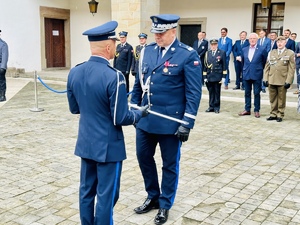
(242,43)
(160,53)
(279,52)
(213,53)
(199,43)
(261,41)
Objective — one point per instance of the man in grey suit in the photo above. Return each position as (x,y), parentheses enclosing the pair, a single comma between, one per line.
(3,68)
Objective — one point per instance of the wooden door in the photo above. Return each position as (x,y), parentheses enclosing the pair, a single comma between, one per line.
(55,43)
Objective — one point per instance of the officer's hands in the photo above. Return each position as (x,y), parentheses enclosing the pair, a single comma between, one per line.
(266,83)
(205,80)
(287,85)
(183,133)
(144,110)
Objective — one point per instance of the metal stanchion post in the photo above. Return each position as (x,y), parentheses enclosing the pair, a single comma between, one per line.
(36,108)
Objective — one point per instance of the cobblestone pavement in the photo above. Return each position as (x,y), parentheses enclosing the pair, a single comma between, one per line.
(234,170)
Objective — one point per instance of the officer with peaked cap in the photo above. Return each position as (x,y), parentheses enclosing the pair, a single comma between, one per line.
(123,57)
(278,76)
(214,71)
(137,52)
(97,92)
(3,68)
(169,80)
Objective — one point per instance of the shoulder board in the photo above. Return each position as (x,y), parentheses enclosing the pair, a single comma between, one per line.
(114,69)
(151,44)
(80,63)
(184,46)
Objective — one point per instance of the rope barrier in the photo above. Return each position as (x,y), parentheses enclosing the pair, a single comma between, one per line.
(51,89)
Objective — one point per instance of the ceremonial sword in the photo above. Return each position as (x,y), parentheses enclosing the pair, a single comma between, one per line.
(160,115)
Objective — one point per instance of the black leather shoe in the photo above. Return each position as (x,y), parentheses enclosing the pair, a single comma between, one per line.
(263,90)
(279,119)
(147,206)
(162,216)
(217,111)
(236,88)
(209,110)
(272,118)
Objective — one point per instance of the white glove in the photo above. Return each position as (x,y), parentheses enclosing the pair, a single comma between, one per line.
(223,80)
(205,80)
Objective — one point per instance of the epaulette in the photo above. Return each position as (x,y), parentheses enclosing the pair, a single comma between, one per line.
(184,46)
(80,63)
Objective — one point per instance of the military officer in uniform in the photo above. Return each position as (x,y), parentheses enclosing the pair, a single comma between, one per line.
(213,72)
(137,52)
(170,82)
(97,92)
(3,68)
(123,57)
(278,76)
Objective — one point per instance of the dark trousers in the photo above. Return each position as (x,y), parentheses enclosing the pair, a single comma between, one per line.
(170,153)
(2,80)
(256,92)
(298,75)
(239,73)
(101,180)
(214,90)
(227,78)
(127,81)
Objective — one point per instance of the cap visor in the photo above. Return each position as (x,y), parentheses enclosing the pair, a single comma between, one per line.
(156,31)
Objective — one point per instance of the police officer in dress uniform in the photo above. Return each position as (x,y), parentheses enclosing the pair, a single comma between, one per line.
(170,82)
(137,52)
(3,68)
(213,72)
(123,57)
(278,76)
(97,92)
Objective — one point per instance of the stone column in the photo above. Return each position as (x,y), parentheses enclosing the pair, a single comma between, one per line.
(133,16)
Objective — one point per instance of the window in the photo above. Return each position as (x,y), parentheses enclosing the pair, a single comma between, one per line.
(270,20)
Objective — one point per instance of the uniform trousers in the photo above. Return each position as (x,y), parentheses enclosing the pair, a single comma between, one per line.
(277,95)
(298,75)
(100,180)
(170,153)
(127,81)
(256,92)
(2,80)
(227,78)
(239,73)
(214,90)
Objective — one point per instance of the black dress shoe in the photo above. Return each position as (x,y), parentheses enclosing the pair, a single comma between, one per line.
(272,118)
(242,88)
(263,90)
(147,206)
(162,216)
(217,111)
(209,110)
(236,88)
(279,119)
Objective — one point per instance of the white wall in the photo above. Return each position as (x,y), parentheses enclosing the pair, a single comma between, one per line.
(20,25)
(82,20)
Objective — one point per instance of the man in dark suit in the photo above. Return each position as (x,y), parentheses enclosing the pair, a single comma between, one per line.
(201,46)
(123,57)
(254,59)
(225,44)
(265,42)
(297,57)
(97,92)
(3,68)
(238,65)
(290,44)
(273,37)
(214,71)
